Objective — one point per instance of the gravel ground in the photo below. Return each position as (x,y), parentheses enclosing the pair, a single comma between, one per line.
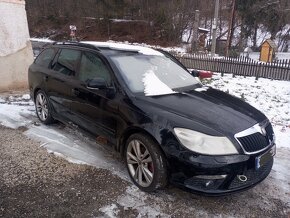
(34,183)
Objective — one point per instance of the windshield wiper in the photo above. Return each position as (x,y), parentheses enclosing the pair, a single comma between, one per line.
(187,88)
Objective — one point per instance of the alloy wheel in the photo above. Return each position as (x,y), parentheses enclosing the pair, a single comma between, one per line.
(140,163)
(41,106)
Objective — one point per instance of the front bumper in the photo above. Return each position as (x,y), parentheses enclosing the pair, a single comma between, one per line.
(218,175)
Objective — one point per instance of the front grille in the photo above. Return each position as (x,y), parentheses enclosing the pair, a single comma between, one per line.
(256,141)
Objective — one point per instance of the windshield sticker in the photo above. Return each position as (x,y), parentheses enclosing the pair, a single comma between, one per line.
(154,86)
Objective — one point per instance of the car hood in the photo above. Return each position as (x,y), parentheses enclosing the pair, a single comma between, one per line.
(210,107)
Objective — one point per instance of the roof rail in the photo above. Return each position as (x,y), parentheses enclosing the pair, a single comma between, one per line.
(80,44)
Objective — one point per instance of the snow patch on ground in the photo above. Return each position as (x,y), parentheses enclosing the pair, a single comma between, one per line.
(75,147)
(110,211)
(15,116)
(71,144)
(26,97)
(134,198)
(282,136)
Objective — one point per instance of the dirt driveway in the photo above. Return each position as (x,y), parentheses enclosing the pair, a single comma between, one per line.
(37,180)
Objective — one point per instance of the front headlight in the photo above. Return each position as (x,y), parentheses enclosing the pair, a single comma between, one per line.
(205,144)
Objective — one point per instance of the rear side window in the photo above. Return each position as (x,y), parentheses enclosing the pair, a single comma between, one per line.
(67,61)
(45,58)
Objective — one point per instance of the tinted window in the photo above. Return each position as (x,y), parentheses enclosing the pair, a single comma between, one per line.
(67,61)
(92,66)
(46,57)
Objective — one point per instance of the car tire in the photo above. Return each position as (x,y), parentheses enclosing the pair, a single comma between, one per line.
(146,163)
(43,108)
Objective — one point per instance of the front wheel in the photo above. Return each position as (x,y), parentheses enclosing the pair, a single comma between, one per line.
(43,109)
(146,163)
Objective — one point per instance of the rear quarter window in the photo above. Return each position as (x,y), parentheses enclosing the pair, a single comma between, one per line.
(45,58)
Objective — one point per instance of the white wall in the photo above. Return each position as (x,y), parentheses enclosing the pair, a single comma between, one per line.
(15,48)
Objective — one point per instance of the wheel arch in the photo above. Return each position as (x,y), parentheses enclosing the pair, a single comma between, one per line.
(133,130)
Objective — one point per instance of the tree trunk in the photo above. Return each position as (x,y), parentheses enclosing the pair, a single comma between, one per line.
(255,36)
(231,28)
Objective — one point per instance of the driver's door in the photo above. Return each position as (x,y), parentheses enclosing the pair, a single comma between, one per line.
(92,108)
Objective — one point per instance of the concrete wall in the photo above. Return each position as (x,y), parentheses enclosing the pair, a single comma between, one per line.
(15,47)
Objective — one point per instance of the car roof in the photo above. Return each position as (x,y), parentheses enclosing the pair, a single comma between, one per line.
(112,48)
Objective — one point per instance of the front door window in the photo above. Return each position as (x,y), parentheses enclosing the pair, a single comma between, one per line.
(91,67)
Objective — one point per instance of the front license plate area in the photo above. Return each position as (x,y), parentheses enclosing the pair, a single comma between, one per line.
(264,158)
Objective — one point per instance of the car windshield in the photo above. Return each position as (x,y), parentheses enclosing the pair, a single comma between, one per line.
(153,75)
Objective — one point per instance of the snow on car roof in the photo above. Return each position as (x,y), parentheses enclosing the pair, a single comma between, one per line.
(120,46)
(41,40)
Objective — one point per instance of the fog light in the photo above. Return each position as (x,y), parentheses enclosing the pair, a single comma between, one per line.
(205,182)
(210,181)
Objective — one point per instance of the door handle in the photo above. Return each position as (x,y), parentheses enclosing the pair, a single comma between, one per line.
(75,91)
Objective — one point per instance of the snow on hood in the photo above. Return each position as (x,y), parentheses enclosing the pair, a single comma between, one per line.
(154,86)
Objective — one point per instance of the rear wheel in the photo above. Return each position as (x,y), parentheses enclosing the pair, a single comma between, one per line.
(146,163)
(43,109)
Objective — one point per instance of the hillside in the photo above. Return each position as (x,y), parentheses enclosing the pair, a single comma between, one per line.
(163,22)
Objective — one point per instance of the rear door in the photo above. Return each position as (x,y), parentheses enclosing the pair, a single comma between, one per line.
(38,71)
(60,80)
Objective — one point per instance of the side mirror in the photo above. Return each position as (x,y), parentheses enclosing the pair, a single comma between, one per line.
(195,73)
(97,83)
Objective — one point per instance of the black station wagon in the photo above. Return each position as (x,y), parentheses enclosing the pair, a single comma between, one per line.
(156,114)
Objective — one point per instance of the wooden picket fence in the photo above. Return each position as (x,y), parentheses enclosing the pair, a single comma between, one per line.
(279,70)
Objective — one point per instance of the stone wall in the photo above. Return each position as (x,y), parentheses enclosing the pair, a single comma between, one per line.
(15,47)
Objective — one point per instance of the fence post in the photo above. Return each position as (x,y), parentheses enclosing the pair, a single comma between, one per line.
(222,73)
(259,71)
